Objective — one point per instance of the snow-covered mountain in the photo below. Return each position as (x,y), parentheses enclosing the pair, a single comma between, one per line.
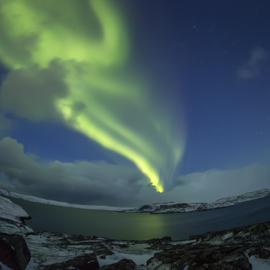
(174,207)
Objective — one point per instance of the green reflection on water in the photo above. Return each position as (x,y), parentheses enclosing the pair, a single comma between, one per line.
(91,222)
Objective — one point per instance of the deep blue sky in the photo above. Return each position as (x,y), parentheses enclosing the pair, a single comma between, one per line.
(191,51)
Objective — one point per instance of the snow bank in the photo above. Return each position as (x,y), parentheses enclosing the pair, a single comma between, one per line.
(11,211)
(259,264)
(139,253)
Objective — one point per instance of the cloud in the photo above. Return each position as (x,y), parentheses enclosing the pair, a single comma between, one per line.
(254,66)
(112,184)
(213,184)
(31,92)
(5,125)
(99,94)
(82,182)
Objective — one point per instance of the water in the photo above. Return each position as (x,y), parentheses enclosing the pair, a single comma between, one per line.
(139,226)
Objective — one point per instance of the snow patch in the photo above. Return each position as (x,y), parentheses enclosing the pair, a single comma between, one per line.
(259,264)
(11,211)
(185,242)
(139,253)
(139,259)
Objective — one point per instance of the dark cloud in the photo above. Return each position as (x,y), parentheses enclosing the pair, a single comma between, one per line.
(5,125)
(31,93)
(255,65)
(102,183)
(81,182)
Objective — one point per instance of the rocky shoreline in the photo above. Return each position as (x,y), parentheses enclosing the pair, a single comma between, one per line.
(240,248)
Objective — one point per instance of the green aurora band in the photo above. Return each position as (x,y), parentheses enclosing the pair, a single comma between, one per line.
(89,41)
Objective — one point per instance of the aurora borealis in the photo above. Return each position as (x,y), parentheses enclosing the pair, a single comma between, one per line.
(88,43)
(106,102)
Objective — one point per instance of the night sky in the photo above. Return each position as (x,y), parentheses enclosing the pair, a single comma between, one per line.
(208,64)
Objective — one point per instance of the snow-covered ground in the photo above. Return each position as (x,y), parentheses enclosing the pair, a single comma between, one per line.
(259,264)
(139,253)
(11,218)
(49,248)
(11,211)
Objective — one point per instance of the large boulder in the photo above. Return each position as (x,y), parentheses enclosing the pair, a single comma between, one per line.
(14,252)
(124,264)
(83,262)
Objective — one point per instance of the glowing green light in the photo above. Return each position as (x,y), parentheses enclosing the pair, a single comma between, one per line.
(98,103)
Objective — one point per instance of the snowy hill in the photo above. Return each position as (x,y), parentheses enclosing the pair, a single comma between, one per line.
(174,207)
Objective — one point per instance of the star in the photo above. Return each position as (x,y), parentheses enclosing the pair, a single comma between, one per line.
(195,27)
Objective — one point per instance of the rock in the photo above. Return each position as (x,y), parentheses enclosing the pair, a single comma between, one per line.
(145,207)
(101,249)
(159,243)
(124,264)
(84,262)
(14,252)
(260,252)
(223,250)
(201,257)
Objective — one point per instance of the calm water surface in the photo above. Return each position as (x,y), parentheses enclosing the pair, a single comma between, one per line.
(143,226)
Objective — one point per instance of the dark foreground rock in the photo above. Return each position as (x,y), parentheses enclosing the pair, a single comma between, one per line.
(235,249)
(201,257)
(224,250)
(124,264)
(84,262)
(14,252)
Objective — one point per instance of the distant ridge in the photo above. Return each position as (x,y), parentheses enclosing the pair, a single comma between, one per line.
(169,207)
(35,199)
(176,207)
